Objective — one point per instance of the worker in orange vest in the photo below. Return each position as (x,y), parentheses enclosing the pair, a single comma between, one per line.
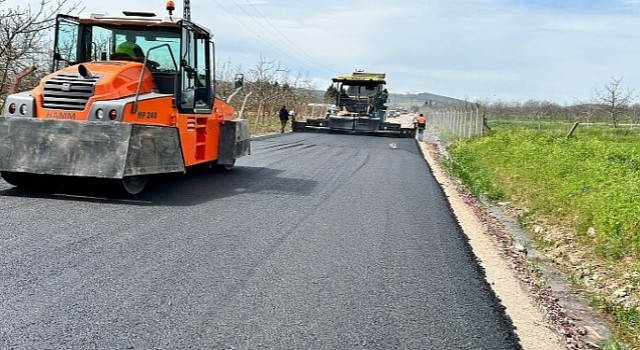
(421,123)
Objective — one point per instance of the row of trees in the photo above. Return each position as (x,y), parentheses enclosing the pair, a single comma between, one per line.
(267,87)
(611,104)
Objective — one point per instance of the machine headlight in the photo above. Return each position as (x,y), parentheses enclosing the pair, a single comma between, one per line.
(24,109)
(99,113)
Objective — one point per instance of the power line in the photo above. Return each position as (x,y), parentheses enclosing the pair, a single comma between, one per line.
(249,28)
(266,29)
(291,46)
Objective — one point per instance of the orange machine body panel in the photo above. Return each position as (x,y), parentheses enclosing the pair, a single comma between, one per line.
(115,79)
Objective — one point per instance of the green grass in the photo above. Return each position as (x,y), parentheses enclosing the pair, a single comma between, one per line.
(612,345)
(627,321)
(591,180)
(264,125)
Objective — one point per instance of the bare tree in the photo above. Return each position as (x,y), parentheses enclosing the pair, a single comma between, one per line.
(299,93)
(271,86)
(265,82)
(225,77)
(25,41)
(635,114)
(613,99)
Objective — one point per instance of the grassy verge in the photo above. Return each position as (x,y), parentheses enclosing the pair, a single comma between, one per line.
(588,186)
(264,125)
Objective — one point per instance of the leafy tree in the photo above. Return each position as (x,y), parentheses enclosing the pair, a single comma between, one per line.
(331,94)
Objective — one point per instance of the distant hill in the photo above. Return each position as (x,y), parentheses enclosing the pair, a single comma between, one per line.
(420,99)
(406,100)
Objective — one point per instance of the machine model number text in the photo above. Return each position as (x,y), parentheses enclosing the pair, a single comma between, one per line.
(147,115)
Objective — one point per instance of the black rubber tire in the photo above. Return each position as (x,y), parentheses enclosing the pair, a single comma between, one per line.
(134,184)
(226,167)
(22,180)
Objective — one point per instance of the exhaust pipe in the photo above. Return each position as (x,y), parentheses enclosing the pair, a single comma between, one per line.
(84,72)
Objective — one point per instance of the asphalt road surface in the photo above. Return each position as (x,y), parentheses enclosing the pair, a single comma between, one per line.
(315,241)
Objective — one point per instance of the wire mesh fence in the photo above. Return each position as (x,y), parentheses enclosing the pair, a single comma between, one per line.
(463,122)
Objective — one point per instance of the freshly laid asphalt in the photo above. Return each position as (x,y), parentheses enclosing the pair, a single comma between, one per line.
(314,241)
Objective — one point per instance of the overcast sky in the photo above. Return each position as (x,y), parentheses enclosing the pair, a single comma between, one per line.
(509,50)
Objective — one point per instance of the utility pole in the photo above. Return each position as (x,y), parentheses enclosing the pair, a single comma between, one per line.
(187,10)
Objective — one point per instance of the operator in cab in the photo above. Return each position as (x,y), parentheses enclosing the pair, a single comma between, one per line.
(130,48)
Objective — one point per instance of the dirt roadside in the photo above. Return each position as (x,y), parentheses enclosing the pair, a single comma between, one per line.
(546,313)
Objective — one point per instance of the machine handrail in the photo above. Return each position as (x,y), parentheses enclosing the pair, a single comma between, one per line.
(144,64)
